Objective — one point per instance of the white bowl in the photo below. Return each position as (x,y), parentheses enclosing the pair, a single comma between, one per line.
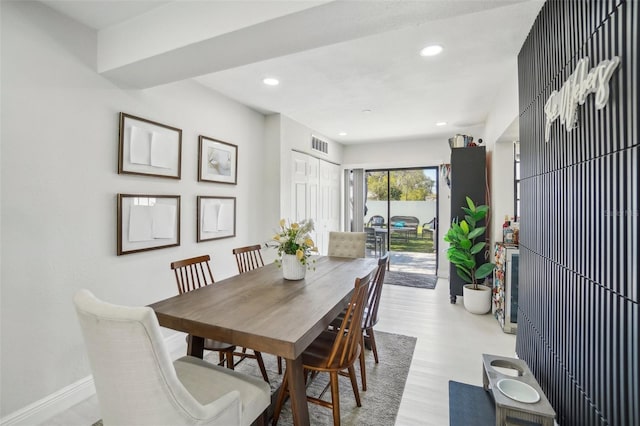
(518,391)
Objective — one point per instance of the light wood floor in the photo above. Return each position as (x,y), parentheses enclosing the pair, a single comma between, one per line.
(450,342)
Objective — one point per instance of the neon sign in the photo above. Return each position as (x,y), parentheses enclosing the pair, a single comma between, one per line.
(564,103)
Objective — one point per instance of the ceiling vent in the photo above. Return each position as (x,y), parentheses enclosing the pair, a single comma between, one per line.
(319,145)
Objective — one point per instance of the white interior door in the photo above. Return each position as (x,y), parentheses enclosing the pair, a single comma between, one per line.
(304,190)
(329,205)
(315,194)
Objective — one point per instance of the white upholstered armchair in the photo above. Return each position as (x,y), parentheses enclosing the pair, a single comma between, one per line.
(137,384)
(347,244)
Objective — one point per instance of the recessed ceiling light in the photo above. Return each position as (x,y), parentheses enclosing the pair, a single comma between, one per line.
(342,134)
(441,123)
(271,81)
(431,50)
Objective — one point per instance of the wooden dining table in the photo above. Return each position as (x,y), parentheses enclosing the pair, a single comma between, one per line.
(261,310)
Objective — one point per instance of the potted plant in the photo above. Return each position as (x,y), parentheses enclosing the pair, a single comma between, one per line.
(295,245)
(462,252)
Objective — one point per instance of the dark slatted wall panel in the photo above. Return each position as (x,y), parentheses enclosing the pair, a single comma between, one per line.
(578,324)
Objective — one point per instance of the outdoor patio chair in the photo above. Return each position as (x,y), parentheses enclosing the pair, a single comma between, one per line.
(376,220)
(373,241)
(429,228)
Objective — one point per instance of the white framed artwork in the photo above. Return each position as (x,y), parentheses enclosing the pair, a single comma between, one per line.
(216,218)
(147,222)
(149,148)
(217,161)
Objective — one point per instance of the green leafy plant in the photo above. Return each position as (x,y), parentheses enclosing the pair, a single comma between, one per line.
(463,246)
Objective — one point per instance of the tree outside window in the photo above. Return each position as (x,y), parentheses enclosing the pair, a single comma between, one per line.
(406,185)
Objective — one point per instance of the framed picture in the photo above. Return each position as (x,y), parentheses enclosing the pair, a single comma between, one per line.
(217,161)
(216,218)
(149,148)
(147,222)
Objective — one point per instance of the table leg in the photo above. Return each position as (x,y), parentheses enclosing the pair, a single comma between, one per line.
(195,346)
(298,392)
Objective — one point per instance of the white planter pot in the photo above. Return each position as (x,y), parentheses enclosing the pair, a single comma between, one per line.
(292,269)
(477,301)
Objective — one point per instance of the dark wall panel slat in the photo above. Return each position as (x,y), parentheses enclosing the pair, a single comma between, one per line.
(579,242)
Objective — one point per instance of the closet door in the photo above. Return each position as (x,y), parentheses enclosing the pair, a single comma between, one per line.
(315,194)
(304,189)
(329,204)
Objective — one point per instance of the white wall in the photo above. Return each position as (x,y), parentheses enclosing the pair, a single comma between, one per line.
(424,211)
(500,136)
(502,187)
(273,164)
(505,105)
(59,184)
(397,154)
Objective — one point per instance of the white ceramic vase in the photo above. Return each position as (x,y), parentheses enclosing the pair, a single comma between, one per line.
(292,269)
(477,301)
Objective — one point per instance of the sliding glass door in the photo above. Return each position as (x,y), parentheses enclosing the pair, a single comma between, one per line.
(401,207)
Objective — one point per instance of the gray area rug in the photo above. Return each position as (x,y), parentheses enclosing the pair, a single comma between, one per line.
(385,385)
(411,279)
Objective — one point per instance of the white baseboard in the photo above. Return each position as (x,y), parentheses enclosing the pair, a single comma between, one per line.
(50,406)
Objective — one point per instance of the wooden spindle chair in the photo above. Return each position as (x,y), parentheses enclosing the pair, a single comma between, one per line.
(369,317)
(247,259)
(192,274)
(333,352)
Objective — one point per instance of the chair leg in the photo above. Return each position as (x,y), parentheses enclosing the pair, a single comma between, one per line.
(354,385)
(279,365)
(280,401)
(261,365)
(335,397)
(372,342)
(363,370)
(230,363)
(262,420)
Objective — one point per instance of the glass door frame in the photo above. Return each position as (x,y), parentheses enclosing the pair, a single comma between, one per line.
(388,210)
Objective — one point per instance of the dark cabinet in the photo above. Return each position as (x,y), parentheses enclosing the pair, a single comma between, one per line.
(468,179)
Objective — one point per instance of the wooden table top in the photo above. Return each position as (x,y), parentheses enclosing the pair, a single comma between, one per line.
(262,311)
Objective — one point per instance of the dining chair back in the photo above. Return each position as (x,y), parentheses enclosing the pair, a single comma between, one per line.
(347,244)
(334,352)
(248,258)
(346,346)
(369,316)
(136,382)
(192,273)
